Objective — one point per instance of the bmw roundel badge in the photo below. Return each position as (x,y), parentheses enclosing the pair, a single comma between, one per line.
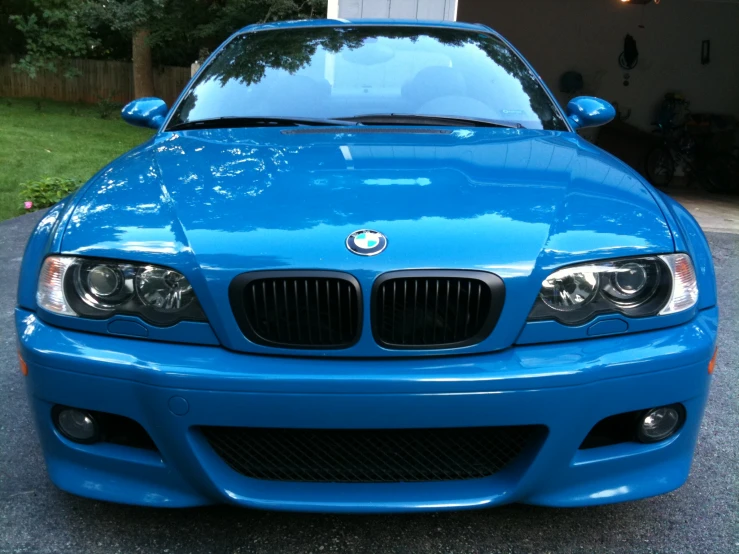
(366,242)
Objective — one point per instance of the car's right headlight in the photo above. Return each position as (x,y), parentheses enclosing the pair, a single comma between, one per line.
(635,287)
(101,288)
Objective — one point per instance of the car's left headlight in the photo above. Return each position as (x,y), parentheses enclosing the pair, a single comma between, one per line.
(635,287)
(101,288)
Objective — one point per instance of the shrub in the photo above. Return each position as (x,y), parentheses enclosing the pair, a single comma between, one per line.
(42,193)
(107,106)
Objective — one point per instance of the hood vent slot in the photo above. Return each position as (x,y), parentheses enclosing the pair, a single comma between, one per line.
(366,131)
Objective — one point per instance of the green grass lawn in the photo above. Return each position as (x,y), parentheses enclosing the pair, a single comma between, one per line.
(59,140)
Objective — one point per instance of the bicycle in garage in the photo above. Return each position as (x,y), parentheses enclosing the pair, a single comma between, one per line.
(693,143)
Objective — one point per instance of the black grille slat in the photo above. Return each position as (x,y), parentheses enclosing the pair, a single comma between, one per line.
(381,309)
(425,312)
(456,311)
(317,313)
(454,308)
(326,295)
(298,309)
(265,322)
(371,455)
(278,322)
(392,328)
(415,309)
(287,308)
(479,300)
(405,306)
(351,310)
(309,323)
(469,293)
(446,311)
(338,304)
(297,312)
(436,308)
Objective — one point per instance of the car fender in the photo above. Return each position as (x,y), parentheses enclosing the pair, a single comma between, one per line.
(44,239)
(690,238)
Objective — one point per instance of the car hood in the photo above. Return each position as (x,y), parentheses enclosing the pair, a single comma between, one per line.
(220,202)
(484,198)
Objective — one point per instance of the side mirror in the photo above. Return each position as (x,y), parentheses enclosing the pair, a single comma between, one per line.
(145,112)
(588,111)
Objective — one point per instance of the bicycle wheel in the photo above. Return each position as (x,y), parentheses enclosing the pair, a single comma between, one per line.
(660,167)
(717,173)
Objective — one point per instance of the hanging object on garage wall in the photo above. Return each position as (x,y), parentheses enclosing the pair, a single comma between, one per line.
(629,58)
(705,52)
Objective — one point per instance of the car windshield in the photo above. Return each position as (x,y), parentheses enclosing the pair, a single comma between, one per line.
(349,72)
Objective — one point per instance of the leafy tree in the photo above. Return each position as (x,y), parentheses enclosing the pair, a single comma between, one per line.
(170,31)
(226,16)
(56,31)
(11,39)
(133,18)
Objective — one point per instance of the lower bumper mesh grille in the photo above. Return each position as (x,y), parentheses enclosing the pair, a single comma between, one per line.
(370,455)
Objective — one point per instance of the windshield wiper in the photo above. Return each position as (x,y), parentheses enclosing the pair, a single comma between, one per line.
(421,119)
(257,121)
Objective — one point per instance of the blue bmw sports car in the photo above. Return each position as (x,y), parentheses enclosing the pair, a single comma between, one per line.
(367,267)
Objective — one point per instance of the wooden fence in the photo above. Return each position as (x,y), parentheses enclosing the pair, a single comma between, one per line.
(97,79)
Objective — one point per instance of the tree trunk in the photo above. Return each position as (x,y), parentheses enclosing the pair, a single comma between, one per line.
(143,75)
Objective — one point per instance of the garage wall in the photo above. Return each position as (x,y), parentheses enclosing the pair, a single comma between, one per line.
(587,36)
(400,9)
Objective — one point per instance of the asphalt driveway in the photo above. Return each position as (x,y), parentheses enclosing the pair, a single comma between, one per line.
(702,516)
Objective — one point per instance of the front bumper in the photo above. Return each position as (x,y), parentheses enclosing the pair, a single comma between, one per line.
(566,386)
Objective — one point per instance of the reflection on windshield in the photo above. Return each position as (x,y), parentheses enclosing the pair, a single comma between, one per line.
(340,72)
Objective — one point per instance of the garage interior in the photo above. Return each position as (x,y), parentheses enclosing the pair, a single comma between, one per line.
(632,53)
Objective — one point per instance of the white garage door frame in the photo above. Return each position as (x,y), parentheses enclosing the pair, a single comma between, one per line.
(445,10)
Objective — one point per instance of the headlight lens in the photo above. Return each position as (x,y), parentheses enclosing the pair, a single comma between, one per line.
(636,287)
(163,289)
(101,288)
(567,291)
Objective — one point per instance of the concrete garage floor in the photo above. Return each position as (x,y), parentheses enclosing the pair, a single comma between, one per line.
(701,517)
(714,212)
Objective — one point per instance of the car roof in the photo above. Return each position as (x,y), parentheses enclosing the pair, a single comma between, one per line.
(366,22)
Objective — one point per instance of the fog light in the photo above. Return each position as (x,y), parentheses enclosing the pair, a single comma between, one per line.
(76,425)
(659,423)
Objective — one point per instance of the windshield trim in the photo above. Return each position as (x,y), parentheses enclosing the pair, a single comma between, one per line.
(348,23)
